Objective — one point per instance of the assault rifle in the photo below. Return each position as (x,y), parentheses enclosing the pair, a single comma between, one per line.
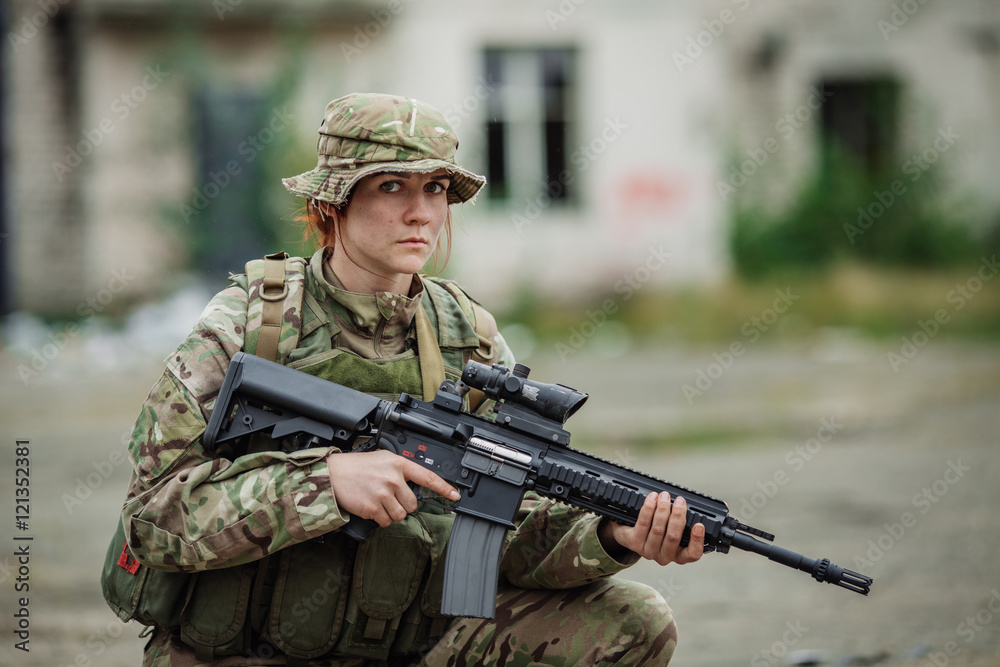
(492,462)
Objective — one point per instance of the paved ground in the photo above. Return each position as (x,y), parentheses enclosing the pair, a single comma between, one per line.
(894,473)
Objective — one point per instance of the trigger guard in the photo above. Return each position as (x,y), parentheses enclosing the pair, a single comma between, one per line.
(423,499)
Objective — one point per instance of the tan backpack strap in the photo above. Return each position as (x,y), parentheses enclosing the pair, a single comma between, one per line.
(485,349)
(273,292)
(431,362)
(480,321)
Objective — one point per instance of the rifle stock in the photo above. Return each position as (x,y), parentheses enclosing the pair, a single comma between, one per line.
(492,462)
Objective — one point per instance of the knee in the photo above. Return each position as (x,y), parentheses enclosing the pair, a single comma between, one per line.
(644,620)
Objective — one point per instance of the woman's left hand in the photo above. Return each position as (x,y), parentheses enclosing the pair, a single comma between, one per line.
(657,532)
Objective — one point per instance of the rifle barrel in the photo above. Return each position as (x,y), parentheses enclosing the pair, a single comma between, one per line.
(822,570)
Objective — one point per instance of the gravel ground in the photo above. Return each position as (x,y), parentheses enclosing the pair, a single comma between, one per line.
(893,472)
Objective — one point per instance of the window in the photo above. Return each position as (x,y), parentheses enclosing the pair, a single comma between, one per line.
(226,212)
(528,123)
(859,120)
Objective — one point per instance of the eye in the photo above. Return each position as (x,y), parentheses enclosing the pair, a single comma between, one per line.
(437,187)
(390,186)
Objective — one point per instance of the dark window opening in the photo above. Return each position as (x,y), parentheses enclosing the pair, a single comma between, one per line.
(528,123)
(859,121)
(496,167)
(66,58)
(226,210)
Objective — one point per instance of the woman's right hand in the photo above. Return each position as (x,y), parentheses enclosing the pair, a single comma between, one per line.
(373,485)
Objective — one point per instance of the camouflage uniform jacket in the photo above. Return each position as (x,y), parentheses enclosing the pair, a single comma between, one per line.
(187,511)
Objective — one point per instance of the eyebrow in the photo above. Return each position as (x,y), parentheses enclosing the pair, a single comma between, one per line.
(406,174)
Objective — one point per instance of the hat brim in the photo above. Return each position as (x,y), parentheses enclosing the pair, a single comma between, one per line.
(334,185)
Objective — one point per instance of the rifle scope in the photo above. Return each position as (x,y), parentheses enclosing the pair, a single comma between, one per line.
(551,401)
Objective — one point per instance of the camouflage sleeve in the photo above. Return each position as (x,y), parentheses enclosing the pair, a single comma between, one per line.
(556,546)
(188,511)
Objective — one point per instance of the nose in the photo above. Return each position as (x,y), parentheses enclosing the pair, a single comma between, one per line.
(419,212)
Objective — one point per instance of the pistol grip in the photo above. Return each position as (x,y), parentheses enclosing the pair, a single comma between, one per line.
(359,528)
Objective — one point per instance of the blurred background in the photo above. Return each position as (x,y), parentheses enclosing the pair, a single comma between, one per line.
(761,233)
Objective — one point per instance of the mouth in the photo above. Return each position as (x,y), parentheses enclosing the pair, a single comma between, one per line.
(414,242)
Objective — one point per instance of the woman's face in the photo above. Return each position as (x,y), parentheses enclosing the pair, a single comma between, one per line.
(392,223)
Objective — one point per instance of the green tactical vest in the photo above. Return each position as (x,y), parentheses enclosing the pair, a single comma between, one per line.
(329,595)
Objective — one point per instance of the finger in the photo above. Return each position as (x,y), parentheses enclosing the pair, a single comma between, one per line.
(670,545)
(381,517)
(637,534)
(414,472)
(396,510)
(695,548)
(659,526)
(646,513)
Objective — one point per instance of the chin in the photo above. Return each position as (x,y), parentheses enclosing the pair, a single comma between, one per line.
(413,265)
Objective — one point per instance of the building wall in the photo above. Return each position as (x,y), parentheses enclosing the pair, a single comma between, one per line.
(668,94)
(644,147)
(945,56)
(47,228)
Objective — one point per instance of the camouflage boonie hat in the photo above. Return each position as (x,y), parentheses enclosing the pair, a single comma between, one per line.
(369,133)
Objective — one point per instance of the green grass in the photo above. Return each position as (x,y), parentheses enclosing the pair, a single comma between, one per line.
(879,302)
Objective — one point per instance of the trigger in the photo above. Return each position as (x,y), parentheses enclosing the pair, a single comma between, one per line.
(421,499)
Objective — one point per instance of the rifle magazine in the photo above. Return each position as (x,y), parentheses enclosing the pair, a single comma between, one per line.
(471,567)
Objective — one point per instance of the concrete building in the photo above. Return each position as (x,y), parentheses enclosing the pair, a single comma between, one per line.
(145,140)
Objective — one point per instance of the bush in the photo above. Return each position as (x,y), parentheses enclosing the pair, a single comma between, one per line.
(845,214)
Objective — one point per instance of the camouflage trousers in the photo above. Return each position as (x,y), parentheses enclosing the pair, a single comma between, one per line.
(610,622)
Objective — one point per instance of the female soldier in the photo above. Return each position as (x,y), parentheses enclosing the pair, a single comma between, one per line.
(248,564)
